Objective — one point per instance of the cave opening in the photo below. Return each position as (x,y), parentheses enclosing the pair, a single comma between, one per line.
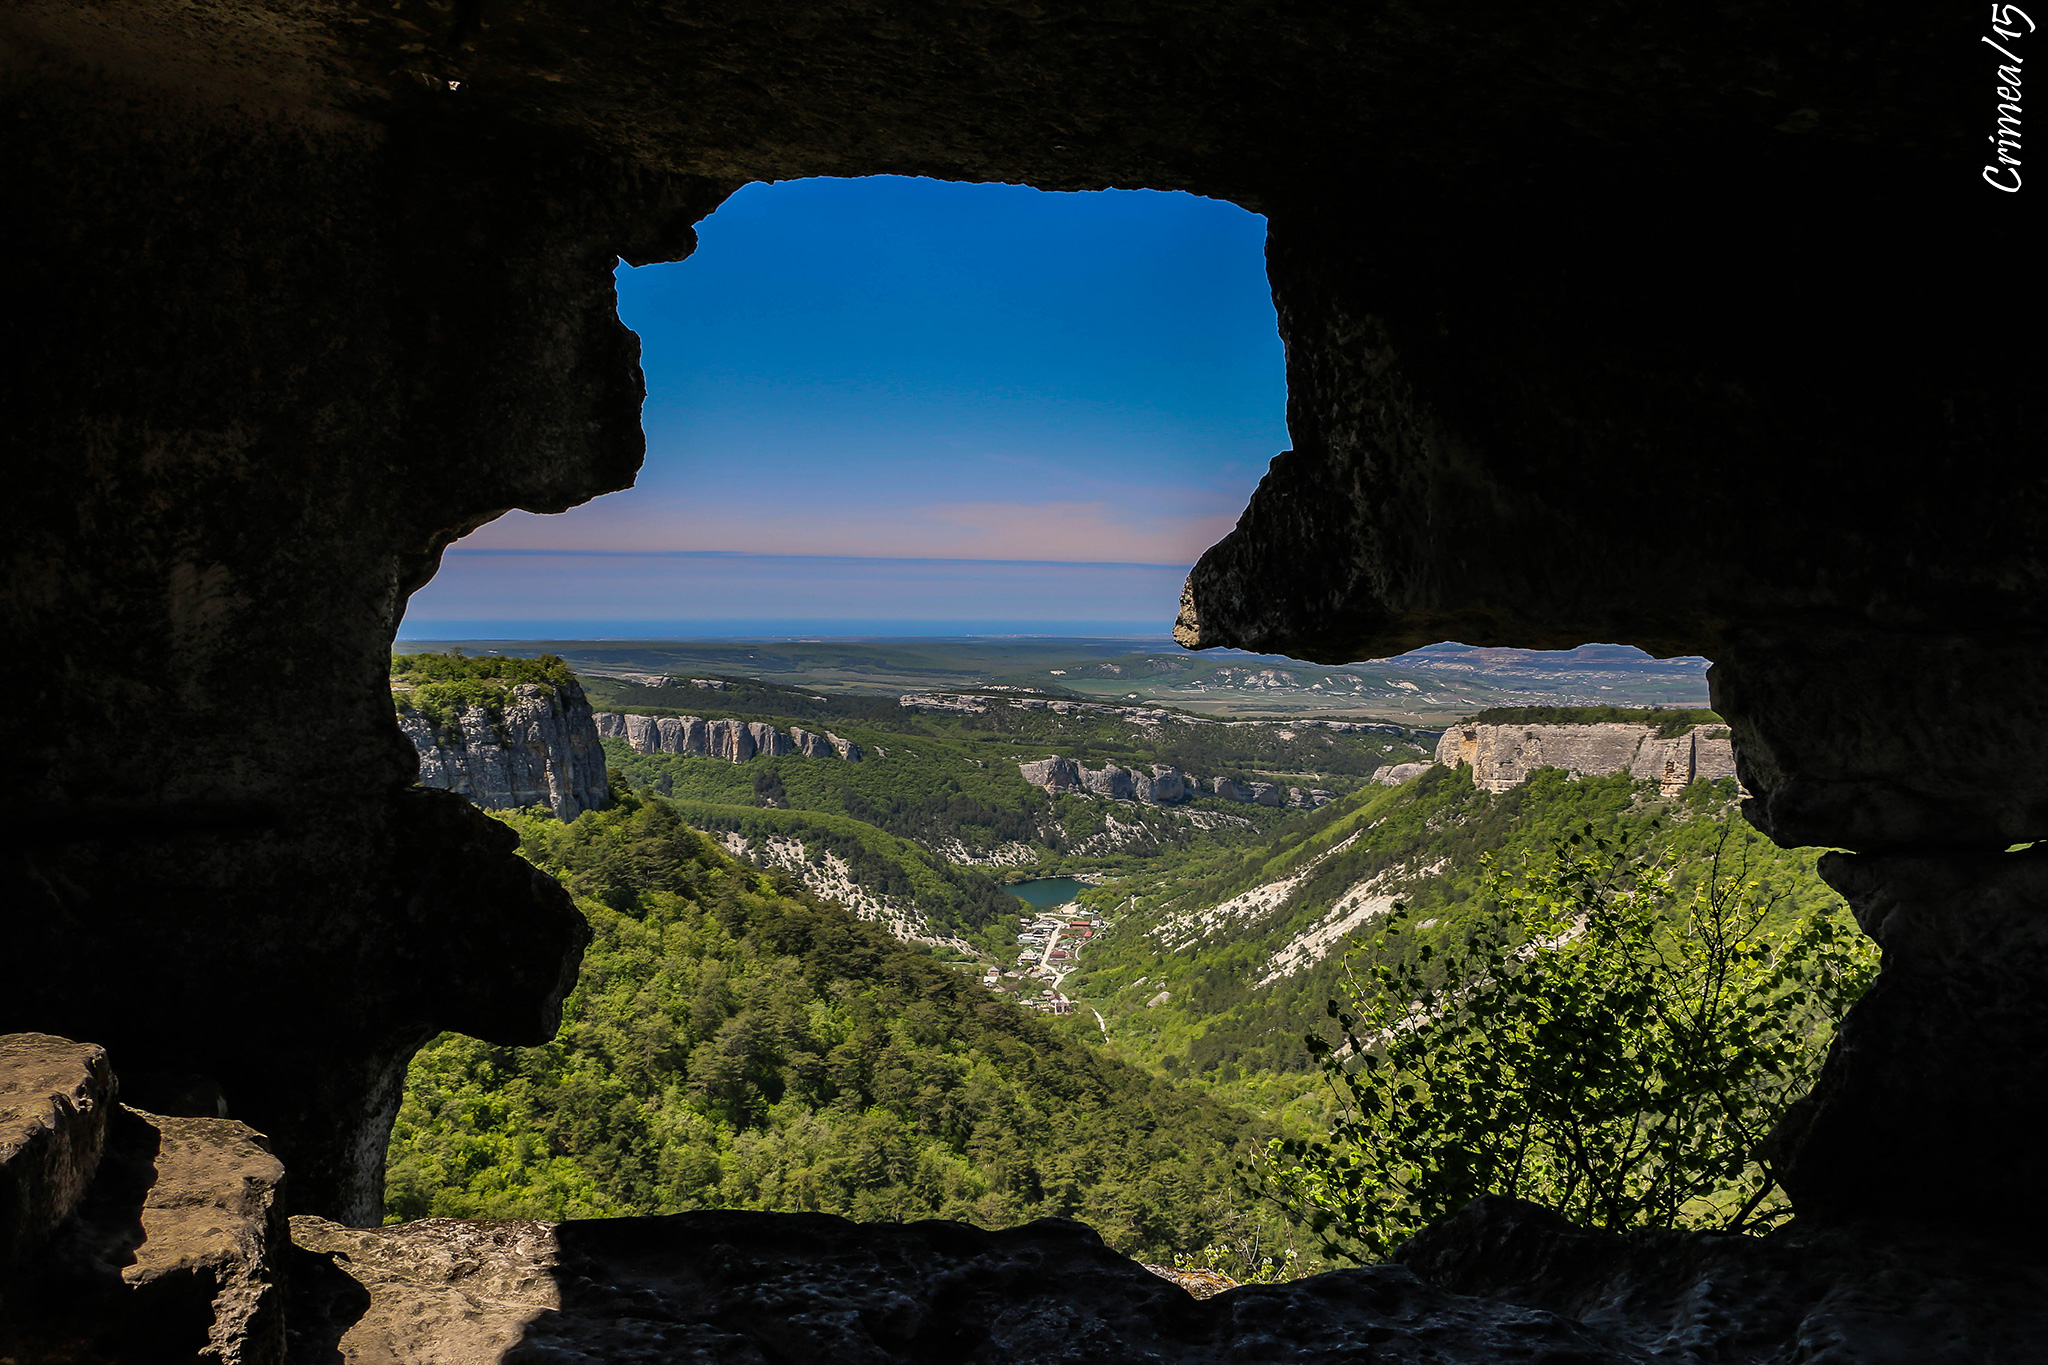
(1694,349)
(903,406)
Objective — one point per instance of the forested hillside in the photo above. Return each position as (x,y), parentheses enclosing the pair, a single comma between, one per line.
(733,1042)
(1227,960)
(874,873)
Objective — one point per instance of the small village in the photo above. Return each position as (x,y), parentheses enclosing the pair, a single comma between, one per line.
(1049,942)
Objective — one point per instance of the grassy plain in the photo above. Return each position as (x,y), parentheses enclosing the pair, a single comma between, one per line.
(1430,687)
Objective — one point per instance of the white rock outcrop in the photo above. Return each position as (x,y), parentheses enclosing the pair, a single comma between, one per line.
(735,741)
(1166,785)
(1110,781)
(943,702)
(539,748)
(1503,756)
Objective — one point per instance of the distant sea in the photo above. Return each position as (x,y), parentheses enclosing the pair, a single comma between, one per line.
(1140,634)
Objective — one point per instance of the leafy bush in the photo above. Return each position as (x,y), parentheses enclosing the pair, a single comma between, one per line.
(440,687)
(500,668)
(1593,1045)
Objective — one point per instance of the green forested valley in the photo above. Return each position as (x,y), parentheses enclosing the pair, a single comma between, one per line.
(803,990)
(734,1042)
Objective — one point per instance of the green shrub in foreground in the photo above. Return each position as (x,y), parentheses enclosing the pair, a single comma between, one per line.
(1595,1046)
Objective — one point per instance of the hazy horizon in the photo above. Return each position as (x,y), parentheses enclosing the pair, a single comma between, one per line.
(932,405)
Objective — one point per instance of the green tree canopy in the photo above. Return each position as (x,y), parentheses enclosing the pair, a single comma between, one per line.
(733,1042)
(1596,1044)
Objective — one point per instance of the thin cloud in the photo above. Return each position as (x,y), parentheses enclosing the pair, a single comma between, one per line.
(1070,532)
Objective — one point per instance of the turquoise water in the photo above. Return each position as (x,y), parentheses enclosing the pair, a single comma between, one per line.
(1047,891)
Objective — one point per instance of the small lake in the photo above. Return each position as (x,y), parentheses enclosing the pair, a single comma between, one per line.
(1047,891)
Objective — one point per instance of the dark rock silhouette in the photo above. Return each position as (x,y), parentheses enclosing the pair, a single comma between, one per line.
(306,292)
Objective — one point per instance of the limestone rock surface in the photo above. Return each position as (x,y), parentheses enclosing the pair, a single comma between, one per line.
(1501,1281)
(174,1254)
(769,742)
(1111,781)
(55,1096)
(1502,756)
(730,1287)
(1169,784)
(681,735)
(441,1290)
(734,741)
(1165,785)
(541,748)
(1054,774)
(942,702)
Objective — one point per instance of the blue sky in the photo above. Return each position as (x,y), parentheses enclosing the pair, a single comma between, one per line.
(900,401)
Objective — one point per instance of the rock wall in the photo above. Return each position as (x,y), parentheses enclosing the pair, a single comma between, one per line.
(1054,774)
(735,741)
(540,748)
(351,296)
(1165,786)
(1503,756)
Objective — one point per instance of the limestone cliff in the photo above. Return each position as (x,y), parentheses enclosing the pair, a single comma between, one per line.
(1166,786)
(735,741)
(1502,756)
(538,747)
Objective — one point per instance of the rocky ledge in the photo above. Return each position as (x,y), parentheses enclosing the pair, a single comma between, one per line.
(129,1236)
(136,1237)
(1502,1281)
(1164,786)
